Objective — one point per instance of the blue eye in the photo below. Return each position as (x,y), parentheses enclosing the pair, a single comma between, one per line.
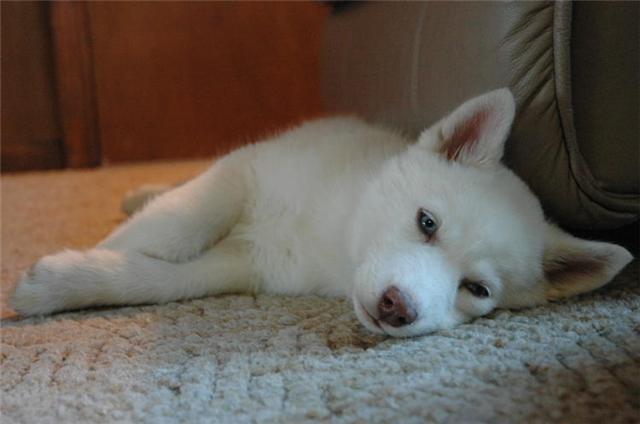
(427,223)
(476,289)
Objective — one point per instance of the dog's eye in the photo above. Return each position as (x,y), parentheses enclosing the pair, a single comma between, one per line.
(427,223)
(476,289)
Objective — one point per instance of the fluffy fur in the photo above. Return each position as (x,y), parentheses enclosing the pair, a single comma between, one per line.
(330,208)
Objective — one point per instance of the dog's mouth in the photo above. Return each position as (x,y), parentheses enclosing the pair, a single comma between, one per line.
(367,318)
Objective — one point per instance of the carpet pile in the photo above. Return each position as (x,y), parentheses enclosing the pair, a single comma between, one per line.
(237,359)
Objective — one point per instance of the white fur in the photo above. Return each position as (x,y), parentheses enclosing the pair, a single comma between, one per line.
(330,208)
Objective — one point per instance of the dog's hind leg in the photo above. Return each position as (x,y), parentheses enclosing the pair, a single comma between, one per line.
(179,224)
(75,279)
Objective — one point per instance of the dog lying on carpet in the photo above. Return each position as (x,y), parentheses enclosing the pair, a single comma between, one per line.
(422,235)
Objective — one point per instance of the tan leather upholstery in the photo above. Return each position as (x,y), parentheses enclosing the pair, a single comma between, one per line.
(605,70)
(575,140)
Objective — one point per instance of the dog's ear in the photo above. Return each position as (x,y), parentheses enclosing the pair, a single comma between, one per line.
(475,133)
(573,266)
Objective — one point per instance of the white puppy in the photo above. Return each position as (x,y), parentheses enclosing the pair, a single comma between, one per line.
(421,235)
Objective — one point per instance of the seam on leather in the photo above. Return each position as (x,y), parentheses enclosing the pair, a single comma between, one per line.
(524,42)
(415,59)
(578,168)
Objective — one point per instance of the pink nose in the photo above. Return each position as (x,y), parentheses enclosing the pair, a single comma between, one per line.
(396,308)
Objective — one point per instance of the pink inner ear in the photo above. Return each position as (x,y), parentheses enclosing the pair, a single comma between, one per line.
(466,134)
(562,269)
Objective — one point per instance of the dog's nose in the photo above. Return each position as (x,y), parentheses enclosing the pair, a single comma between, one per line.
(396,308)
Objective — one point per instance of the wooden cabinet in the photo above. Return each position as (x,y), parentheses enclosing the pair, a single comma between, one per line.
(155,80)
(31,136)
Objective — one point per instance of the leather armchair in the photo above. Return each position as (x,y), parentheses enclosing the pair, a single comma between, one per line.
(573,68)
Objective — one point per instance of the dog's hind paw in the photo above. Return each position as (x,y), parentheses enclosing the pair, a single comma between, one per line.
(135,200)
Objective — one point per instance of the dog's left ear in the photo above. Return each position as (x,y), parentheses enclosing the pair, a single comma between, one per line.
(573,266)
(475,133)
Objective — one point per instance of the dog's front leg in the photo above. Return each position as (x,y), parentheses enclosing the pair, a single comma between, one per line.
(79,279)
(179,224)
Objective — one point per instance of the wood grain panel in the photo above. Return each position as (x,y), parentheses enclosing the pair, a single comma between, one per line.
(75,82)
(31,136)
(192,79)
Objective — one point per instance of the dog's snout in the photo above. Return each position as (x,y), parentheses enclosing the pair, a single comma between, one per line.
(396,308)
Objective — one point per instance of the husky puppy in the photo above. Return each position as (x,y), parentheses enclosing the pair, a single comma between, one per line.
(422,235)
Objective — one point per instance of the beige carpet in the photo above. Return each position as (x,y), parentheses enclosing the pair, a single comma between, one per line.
(236,359)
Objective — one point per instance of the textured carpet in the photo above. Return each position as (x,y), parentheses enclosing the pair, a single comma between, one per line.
(261,359)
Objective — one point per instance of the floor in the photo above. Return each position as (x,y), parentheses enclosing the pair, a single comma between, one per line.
(289,359)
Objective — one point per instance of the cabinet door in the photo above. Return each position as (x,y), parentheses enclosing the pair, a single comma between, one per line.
(88,83)
(193,79)
(31,135)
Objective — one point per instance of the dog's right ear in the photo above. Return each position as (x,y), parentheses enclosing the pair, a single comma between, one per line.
(474,134)
(573,266)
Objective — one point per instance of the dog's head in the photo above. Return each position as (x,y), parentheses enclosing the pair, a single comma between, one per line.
(445,233)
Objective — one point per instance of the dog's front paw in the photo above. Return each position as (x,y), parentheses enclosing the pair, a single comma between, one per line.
(48,285)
